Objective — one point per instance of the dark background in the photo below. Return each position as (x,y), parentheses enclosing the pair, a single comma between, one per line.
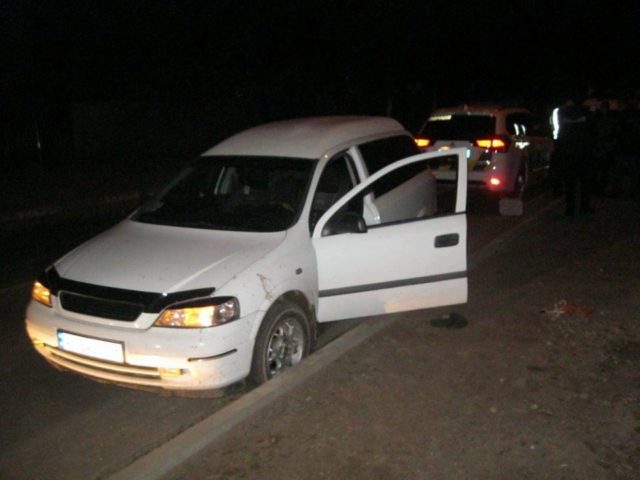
(126,80)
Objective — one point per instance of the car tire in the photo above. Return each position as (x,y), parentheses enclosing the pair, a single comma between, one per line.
(283,340)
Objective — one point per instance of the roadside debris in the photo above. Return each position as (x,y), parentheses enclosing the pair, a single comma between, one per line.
(563,308)
(451,321)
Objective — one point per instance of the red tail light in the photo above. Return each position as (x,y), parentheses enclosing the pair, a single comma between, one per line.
(423,142)
(496,144)
(495,184)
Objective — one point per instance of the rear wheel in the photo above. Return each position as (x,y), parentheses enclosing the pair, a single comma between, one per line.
(283,340)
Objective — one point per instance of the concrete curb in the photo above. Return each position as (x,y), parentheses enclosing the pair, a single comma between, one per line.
(160,461)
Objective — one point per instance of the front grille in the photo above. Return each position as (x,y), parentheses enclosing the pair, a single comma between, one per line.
(100,307)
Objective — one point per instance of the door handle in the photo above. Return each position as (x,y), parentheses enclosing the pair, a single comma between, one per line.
(448,240)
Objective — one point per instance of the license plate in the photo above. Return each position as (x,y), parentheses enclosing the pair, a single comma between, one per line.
(91,347)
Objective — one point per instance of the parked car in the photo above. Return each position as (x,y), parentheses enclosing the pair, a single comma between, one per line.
(508,148)
(225,274)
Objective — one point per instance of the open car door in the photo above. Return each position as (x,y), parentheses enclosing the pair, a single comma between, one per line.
(396,242)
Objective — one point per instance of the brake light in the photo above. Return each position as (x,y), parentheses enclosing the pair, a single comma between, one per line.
(494,181)
(497,144)
(423,142)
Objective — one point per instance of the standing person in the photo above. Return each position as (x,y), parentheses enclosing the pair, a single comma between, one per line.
(573,162)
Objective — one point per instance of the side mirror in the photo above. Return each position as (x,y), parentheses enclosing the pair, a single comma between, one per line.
(349,222)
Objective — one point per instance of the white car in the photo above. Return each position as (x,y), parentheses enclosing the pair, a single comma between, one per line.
(507,148)
(226,273)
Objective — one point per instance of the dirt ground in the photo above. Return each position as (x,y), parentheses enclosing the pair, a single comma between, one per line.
(543,382)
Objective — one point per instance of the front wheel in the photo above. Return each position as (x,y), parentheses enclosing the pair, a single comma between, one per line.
(283,340)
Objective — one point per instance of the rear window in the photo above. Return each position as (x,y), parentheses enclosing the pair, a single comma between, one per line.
(459,127)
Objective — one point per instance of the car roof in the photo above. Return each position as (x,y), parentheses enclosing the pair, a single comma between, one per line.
(305,137)
(488,109)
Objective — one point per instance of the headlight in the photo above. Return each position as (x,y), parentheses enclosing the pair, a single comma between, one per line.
(209,312)
(41,294)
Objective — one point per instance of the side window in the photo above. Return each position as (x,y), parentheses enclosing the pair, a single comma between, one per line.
(380,153)
(407,194)
(337,178)
(228,181)
(396,178)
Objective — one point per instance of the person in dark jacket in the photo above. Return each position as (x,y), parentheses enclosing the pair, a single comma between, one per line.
(573,159)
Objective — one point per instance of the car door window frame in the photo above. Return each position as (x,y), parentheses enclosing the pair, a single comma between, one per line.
(461,193)
(385,150)
(354,177)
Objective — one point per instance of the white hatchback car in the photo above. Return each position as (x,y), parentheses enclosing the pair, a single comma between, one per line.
(225,274)
(507,148)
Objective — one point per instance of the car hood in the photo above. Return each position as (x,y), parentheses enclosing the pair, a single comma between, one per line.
(163,259)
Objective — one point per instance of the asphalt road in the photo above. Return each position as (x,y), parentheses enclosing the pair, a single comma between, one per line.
(61,426)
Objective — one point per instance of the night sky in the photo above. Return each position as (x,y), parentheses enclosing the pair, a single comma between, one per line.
(426,53)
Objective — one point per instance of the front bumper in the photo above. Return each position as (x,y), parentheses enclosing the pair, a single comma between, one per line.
(159,358)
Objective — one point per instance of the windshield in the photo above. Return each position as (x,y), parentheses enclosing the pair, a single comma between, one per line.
(261,194)
(459,127)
